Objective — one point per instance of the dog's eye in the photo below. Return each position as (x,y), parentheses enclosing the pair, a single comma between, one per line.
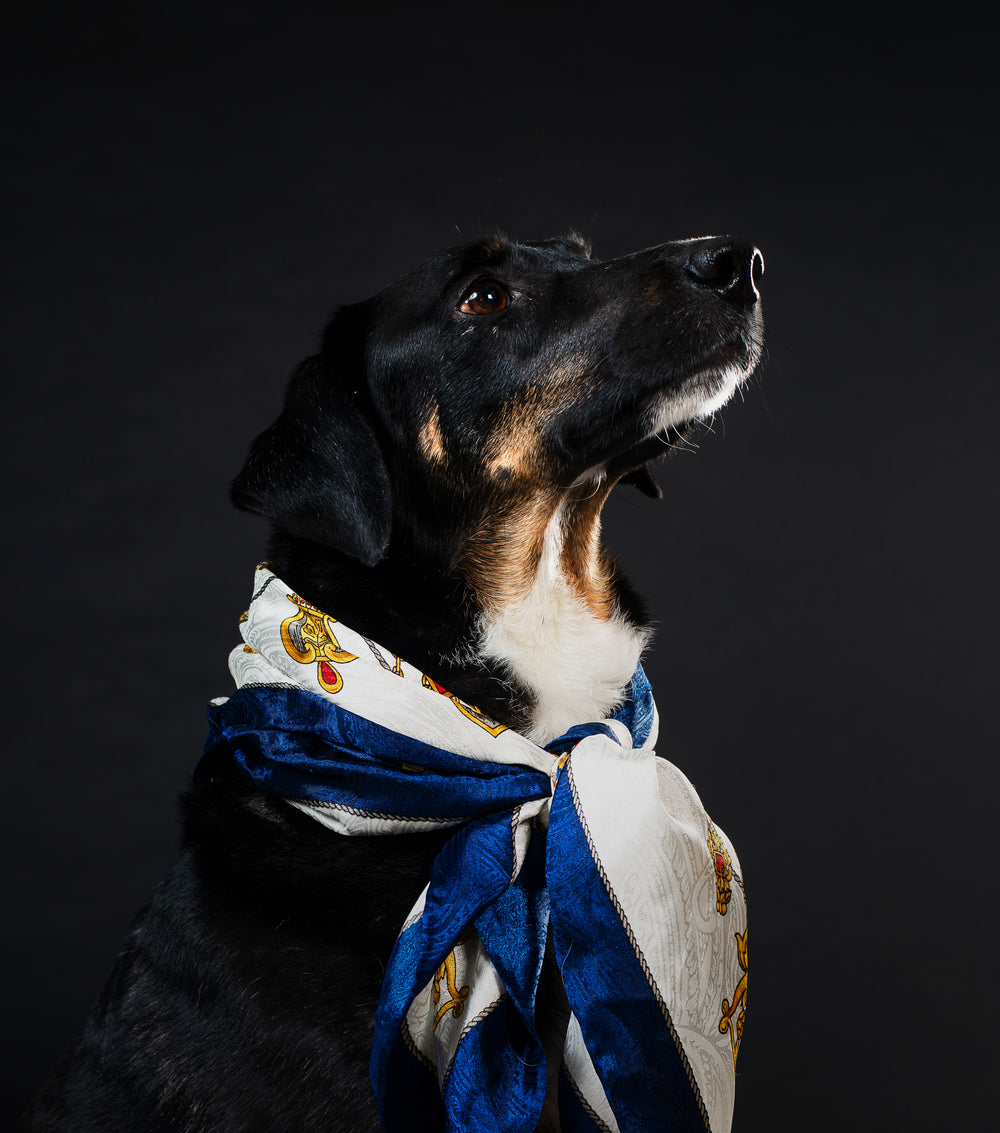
(485,297)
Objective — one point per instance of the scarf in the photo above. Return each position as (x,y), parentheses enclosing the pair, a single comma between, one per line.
(592,839)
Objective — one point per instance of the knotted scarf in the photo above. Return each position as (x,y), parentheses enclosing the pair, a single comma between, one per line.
(592,839)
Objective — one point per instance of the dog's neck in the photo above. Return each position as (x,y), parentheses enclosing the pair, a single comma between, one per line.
(563,636)
(526,616)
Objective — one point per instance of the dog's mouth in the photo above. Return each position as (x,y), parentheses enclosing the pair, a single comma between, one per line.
(667,421)
(710,382)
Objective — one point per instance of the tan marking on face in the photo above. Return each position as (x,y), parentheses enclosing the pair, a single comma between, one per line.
(515,448)
(431,440)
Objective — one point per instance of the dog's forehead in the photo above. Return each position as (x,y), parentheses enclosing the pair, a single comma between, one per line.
(493,255)
(561,253)
(564,253)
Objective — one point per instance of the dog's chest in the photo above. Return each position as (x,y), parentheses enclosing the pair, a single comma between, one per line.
(576,663)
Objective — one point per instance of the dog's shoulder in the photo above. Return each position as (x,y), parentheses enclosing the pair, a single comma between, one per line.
(251,950)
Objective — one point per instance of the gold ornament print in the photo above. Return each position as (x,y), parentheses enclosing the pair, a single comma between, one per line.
(308,636)
(468,710)
(447,973)
(729,1016)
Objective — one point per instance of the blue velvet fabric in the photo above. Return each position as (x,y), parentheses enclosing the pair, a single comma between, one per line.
(298,745)
(304,747)
(625,1026)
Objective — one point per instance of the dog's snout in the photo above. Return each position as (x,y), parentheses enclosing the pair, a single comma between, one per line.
(732,268)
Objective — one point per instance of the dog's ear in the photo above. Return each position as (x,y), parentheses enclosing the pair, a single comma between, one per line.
(318,471)
(572,241)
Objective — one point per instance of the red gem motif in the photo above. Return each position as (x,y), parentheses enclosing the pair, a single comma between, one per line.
(309,638)
(723,866)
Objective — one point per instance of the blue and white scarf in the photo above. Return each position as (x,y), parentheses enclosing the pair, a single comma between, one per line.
(592,837)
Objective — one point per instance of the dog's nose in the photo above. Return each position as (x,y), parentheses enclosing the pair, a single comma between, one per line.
(732,268)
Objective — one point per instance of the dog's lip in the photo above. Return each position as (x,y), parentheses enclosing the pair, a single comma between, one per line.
(725,355)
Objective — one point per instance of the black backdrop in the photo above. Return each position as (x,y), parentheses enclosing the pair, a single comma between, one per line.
(193,188)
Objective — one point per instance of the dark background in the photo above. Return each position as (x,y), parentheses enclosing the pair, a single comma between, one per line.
(194,188)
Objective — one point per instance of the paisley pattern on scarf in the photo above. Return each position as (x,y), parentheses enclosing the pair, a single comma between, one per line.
(592,839)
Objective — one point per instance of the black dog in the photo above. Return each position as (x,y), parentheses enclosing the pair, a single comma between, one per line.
(435,480)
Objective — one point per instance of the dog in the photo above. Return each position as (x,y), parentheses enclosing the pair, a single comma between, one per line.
(435,480)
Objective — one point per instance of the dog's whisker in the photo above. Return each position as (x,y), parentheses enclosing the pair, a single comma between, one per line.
(598,481)
(682,445)
(565,958)
(763,397)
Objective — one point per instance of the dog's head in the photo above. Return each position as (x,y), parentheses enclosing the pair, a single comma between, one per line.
(473,397)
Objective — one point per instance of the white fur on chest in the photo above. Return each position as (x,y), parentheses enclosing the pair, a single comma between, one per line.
(576,664)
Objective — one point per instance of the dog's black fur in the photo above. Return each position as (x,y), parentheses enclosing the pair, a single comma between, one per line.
(410,479)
